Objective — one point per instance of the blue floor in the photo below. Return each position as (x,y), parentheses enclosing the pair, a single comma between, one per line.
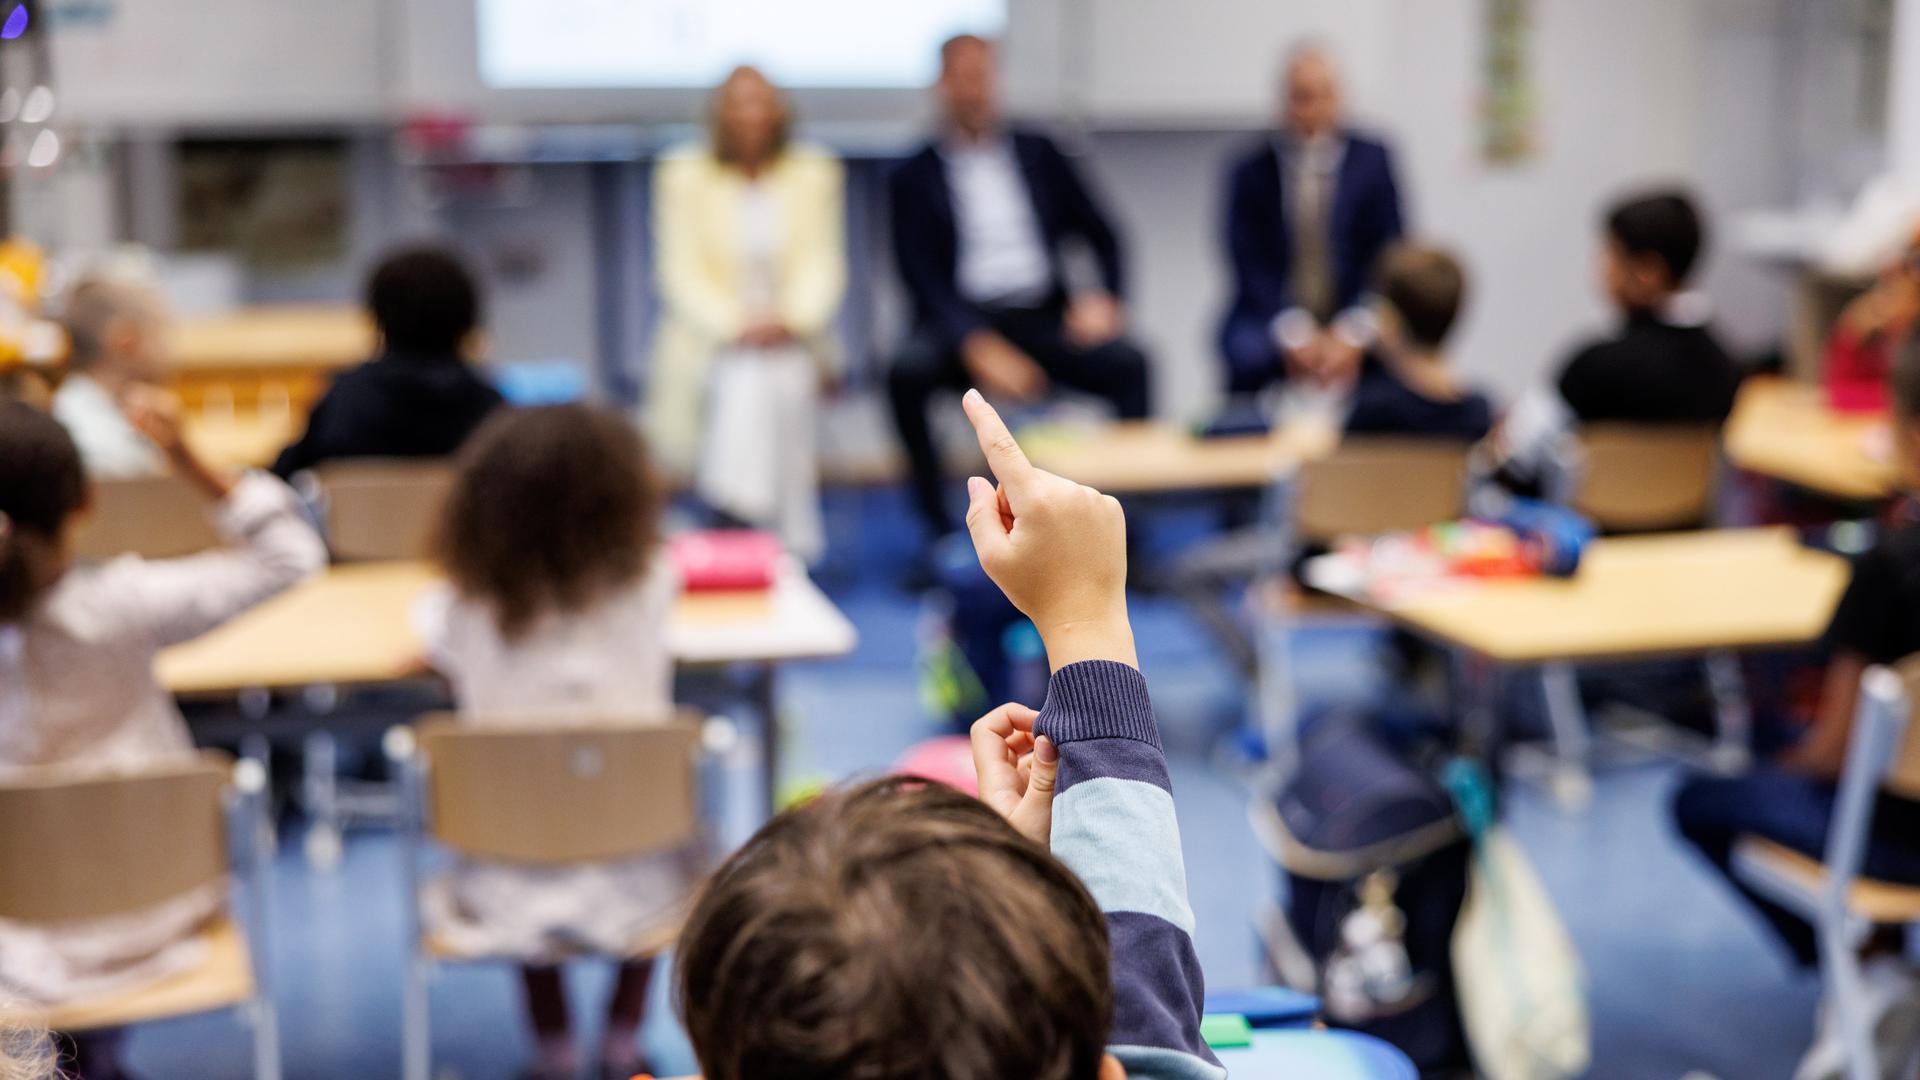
(1681,979)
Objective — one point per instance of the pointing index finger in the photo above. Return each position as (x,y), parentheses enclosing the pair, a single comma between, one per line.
(1004,455)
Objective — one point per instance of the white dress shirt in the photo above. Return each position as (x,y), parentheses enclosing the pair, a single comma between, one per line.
(1002,257)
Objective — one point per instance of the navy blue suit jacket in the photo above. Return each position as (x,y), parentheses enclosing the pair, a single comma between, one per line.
(1365,218)
(926,239)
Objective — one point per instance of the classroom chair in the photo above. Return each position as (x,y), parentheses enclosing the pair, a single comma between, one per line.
(154,517)
(381,508)
(541,796)
(1629,478)
(1375,485)
(1883,754)
(109,846)
(1638,478)
(1365,487)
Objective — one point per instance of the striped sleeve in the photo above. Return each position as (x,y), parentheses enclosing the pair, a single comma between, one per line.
(1114,826)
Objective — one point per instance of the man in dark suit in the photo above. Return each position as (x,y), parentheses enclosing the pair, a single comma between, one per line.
(980,218)
(1309,210)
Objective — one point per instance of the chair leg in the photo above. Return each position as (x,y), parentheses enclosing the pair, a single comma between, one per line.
(1733,713)
(1840,971)
(1275,692)
(1567,719)
(417,1036)
(266,1040)
(320,794)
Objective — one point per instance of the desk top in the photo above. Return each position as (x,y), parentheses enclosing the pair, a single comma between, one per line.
(286,336)
(1674,594)
(244,440)
(1138,457)
(1786,431)
(354,626)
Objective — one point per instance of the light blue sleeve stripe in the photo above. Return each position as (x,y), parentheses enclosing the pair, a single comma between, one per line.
(1159,1063)
(1122,838)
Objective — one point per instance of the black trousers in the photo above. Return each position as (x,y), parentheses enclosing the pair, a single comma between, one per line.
(925,366)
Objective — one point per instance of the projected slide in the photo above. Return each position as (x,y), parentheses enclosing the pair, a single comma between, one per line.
(534,44)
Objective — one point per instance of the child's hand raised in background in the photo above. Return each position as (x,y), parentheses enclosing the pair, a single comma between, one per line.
(1056,548)
(1016,770)
(155,413)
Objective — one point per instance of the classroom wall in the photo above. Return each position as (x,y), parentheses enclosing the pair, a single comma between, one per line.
(1700,107)
(1709,91)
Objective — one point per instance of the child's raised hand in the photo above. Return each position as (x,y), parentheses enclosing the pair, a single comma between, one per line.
(154,413)
(1056,548)
(1016,770)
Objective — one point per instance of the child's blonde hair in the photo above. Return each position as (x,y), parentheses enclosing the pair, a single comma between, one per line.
(25,1053)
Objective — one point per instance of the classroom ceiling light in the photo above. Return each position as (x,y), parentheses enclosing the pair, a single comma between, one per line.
(16,23)
(38,106)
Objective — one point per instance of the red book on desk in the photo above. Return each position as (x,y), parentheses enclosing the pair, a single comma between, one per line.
(725,560)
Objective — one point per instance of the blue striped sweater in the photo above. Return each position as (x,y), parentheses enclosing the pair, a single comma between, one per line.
(1114,825)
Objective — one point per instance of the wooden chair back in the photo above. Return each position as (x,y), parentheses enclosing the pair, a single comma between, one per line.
(383,508)
(1903,771)
(109,845)
(154,517)
(552,795)
(1376,485)
(1646,477)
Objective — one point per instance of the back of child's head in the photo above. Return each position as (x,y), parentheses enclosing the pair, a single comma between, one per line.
(1425,288)
(552,508)
(97,309)
(424,300)
(895,930)
(42,485)
(1663,225)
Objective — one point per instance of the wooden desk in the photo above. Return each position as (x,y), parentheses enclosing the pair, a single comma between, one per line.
(244,440)
(354,627)
(1141,457)
(1784,430)
(1699,595)
(1638,597)
(267,352)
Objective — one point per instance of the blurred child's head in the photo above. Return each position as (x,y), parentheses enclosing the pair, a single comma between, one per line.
(117,329)
(1421,290)
(43,488)
(1652,244)
(424,301)
(896,930)
(553,508)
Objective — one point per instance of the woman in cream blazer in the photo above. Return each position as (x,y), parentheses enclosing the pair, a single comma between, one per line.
(750,250)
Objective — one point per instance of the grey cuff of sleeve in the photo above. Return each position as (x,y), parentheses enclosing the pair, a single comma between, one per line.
(1098,699)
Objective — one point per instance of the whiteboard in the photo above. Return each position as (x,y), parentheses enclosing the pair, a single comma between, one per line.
(694,43)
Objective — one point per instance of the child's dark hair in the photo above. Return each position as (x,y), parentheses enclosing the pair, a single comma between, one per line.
(896,930)
(424,300)
(42,484)
(552,507)
(1663,224)
(1425,287)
